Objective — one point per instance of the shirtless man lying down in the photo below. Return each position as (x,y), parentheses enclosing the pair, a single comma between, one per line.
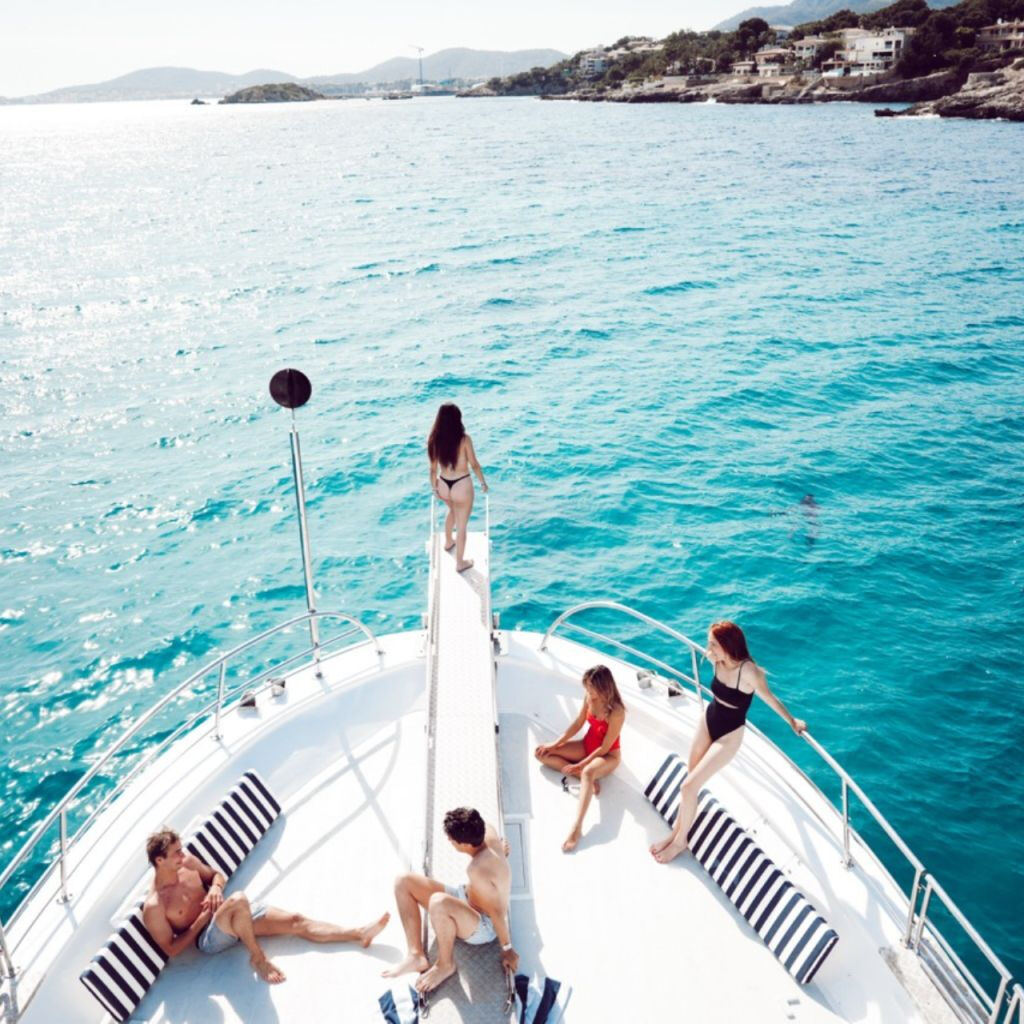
(186,904)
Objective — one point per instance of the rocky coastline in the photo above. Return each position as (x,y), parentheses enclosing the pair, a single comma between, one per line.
(810,89)
(988,94)
(985,95)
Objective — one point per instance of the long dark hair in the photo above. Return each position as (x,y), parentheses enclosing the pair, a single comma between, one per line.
(446,435)
(602,682)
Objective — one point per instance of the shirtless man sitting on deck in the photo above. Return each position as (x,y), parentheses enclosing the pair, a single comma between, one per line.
(186,904)
(476,913)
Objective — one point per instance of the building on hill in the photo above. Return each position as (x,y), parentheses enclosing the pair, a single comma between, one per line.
(744,67)
(1003,35)
(781,32)
(772,61)
(806,49)
(594,62)
(868,53)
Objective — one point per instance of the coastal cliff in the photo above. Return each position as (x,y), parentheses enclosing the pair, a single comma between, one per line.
(278,92)
(984,96)
(810,89)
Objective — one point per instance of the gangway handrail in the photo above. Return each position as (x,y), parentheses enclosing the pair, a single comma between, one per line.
(924,885)
(59,812)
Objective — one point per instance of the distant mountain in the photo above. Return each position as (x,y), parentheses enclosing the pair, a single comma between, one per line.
(799,11)
(182,83)
(453,63)
(158,84)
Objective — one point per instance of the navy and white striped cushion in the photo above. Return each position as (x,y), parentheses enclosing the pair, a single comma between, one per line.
(224,840)
(123,971)
(781,915)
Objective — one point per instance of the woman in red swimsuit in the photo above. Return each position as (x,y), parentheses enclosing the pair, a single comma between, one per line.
(598,753)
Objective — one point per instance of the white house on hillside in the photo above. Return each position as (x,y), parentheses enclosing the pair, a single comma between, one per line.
(868,53)
(1003,35)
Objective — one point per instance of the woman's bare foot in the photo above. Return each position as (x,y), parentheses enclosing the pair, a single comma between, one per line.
(670,851)
(414,963)
(597,787)
(370,931)
(449,545)
(430,980)
(468,564)
(570,844)
(656,848)
(266,970)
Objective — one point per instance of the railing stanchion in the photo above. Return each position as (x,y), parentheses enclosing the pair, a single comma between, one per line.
(65,896)
(924,913)
(847,859)
(998,1002)
(696,676)
(5,955)
(914,891)
(220,699)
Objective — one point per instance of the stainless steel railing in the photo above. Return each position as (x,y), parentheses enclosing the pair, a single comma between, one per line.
(59,814)
(919,934)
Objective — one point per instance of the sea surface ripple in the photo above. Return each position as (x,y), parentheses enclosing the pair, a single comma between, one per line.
(666,326)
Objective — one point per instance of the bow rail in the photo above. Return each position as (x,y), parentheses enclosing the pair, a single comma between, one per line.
(953,978)
(59,814)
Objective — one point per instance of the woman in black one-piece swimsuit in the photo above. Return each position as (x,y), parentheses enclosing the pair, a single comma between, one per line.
(720,732)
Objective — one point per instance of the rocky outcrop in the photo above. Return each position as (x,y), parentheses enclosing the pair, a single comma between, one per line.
(797,89)
(278,92)
(985,95)
(899,90)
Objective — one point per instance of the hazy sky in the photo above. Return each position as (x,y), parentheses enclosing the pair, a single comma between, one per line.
(72,42)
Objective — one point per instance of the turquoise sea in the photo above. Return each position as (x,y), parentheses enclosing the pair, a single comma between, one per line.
(665,326)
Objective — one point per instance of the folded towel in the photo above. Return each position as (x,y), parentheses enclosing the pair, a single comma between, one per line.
(400,1005)
(543,1002)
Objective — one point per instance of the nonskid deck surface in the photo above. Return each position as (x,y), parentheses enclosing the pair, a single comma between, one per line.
(463,761)
(638,940)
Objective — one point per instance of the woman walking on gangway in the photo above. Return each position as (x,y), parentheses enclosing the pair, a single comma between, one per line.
(720,732)
(451,454)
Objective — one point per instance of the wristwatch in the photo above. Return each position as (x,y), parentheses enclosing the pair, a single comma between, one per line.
(505,949)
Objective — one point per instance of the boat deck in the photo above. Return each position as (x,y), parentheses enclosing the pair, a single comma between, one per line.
(346,758)
(634,937)
(463,764)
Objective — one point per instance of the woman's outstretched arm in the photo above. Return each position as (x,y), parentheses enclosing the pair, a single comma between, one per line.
(761,688)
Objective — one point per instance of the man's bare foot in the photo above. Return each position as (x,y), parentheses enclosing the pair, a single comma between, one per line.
(449,545)
(468,564)
(370,931)
(670,851)
(434,977)
(414,963)
(570,844)
(266,970)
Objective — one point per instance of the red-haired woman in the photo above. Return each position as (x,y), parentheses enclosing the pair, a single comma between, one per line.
(596,755)
(451,454)
(720,732)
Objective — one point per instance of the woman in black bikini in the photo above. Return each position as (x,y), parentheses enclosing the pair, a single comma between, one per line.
(451,454)
(720,732)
